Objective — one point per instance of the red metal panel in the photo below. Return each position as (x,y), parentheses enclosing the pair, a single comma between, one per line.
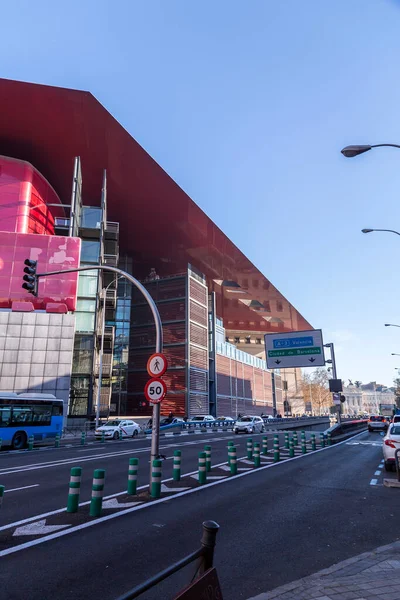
(198,335)
(53,253)
(198,313)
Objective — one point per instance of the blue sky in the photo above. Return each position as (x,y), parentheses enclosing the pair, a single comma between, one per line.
(247,105)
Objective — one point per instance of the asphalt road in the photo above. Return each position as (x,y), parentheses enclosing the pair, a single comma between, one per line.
(277,524)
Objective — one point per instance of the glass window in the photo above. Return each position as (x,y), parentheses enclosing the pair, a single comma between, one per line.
(5,416)
(41,415)
(86,305)
(87,284)
(83,353)
(90,251)
(91,217)
(79,396)
(248,340)
(57,410)
(84,322)
(21,415)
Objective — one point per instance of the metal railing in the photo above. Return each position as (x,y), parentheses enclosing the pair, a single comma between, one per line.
(204,555)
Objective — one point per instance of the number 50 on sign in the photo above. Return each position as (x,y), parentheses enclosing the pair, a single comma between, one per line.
(155,390)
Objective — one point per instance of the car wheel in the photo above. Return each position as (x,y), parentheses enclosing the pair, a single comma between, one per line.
(19,440)
(116,435)
(369,429)
(135,432)
(236,431)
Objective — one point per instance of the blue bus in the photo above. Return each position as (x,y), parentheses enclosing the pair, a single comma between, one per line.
(23,415)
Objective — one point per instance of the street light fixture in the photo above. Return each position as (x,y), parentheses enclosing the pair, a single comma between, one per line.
(351,151)
(387,230)
(391,325)
(395,354)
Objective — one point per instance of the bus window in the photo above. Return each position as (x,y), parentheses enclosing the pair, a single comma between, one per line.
(21,415)
(57,410)
(5,415)
(42,415)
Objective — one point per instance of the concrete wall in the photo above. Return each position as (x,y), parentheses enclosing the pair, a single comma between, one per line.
(36,353)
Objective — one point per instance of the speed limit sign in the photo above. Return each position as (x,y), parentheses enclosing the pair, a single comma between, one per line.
(155,390)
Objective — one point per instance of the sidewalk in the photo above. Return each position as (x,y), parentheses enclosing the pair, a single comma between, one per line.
(369,576)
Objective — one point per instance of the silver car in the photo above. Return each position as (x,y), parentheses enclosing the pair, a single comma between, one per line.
(249,424)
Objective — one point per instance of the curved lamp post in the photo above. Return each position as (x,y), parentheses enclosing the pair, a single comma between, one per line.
(391,325)
(351,151)
(387,230)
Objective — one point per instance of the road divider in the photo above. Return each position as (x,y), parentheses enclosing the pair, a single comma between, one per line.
(232,460)
(291,448)
(57,441)
(276,448)
(155,489)
(322,440)
(96,502)
(176,470)
(202,468)
(295,438)
(249,447)
(207,451)
(133,476)
(313,442)
(257,461)
(2,490)
(74,489)
(83,438)
(265,445)
(31,439)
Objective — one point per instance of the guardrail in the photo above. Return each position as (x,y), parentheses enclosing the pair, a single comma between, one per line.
(204,555)
(346,428)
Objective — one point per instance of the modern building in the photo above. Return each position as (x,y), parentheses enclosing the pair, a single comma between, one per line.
(80,181)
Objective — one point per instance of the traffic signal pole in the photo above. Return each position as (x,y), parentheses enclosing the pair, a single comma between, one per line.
(155,432)
(334,374)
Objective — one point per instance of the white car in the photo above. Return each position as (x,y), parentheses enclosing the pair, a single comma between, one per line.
(391,442)
(249,424)
(117,429)
(202,418)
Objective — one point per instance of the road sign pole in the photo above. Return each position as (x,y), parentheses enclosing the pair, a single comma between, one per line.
(334,373)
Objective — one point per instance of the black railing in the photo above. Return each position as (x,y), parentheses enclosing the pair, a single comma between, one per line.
(205,556)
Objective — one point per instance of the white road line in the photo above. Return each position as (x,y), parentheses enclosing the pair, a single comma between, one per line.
(373,482)
(377,472)
(26,487)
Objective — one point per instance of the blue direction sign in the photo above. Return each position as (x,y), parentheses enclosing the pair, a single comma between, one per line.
(295,349)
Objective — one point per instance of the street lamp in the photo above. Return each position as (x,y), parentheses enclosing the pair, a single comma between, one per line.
(387,230)
(391,325)
(351,151)
(395,354)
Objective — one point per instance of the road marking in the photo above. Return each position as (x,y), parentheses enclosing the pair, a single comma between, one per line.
(196,476)
(26,487)
(245,469)
(38,528)
(113,503)
(377,472)
(164,488)
(373,482)
(121,513)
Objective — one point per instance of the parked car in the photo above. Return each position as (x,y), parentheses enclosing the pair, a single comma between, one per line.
(396,419)
(118,428)
(202,418)
(377,423)
(173,421)
(268,417)
(391,442)
(249,424)
(228,420)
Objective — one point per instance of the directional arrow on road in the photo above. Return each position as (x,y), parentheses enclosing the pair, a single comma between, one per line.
(113,503)
(38,528)
(164,488)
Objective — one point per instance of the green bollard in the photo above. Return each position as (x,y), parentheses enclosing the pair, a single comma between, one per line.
(30,442)
(1,443)
(291,448)
(207,451)
(132,476)
(257,461)
(276,449)
(287,441)
(303,446)
(57,440)
(96,502)
(329,439)
(233,460)
(74,489)
(155,489)
(103,437)
(303,436)
(265,445)
(313,444)
(295,438)
(230,445)
(202,468)
(83,438)
(249,447)
(322,440)
(176,470)
(2,490)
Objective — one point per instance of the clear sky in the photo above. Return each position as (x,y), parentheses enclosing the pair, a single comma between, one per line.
(246,104)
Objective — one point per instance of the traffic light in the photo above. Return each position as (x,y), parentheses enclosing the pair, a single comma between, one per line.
(342,398)
(30,279)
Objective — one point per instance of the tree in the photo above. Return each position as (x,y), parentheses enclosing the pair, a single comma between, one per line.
(397,391)
(316,390)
